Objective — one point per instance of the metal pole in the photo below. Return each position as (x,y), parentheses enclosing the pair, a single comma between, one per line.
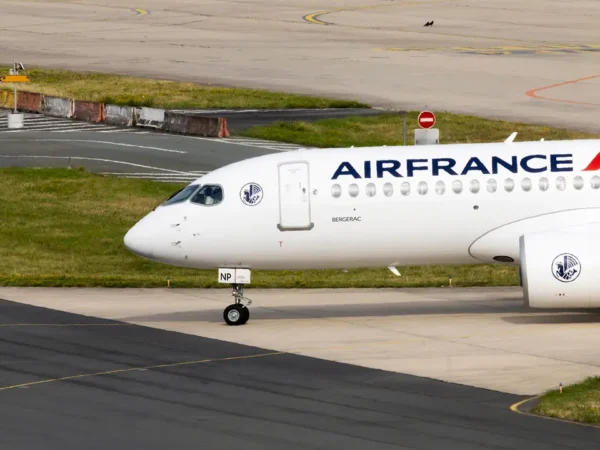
(15,85)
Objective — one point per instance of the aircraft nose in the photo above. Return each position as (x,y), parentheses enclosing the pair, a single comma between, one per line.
(139,241)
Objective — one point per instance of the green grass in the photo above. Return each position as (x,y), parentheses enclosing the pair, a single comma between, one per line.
(578,402)
(388,130)
(134,91)
(64,227)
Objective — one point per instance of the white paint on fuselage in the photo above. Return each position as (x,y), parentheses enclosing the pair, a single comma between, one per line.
(412,229)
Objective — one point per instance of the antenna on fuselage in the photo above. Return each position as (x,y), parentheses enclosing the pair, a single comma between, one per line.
(511,138)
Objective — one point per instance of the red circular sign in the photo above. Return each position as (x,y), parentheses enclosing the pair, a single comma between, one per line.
(426,119)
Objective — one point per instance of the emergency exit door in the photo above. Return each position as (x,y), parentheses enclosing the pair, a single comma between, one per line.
(294,197)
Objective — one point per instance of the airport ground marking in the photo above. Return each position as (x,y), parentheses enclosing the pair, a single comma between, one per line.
(141,12)
(533,92)
(139,368)
(93,141)
(94,159)
(314,17)
(502,50)
(515,408)
(11,325)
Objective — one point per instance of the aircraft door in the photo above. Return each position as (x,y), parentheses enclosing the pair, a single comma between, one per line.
(294,197)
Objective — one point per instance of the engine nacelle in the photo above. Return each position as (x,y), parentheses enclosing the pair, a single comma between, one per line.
(561,269)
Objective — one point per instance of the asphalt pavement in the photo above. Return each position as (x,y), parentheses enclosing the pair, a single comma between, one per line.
(237,120)
(158,156)
(70,382)
(242,120)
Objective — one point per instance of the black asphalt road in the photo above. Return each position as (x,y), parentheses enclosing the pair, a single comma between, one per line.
(242,120)
(121,152)
(74,382)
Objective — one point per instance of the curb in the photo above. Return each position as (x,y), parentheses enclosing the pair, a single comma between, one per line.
(525,406)
(126,116)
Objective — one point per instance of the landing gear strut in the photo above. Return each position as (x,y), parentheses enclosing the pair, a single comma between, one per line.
(238,313)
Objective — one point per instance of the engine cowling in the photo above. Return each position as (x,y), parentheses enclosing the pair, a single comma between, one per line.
(561,269)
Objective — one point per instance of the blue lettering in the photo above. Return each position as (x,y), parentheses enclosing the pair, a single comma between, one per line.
(411,168)
(511,167)
(345,168)
(392,170)
(449,163)
(525,162)
(554,162)
(475,164)
(558,163)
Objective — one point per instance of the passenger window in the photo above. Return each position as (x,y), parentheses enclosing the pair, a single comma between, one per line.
(595,182)
(370,190)
(388,189)
(509,185)
(492,185)
(457,187)
(208,194)
(181,195)
(440,188)
(544,184)
(578,182)
(353,190)
(526,184)
(474,186)
(422,188)
(561,183)
(405,188)
(336,191)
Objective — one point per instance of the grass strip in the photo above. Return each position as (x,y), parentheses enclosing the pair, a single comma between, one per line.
(64,227)
(136,91)
(388,130)
(579,402)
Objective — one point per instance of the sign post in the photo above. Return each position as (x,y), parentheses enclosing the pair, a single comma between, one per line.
(15,120)
(426,135)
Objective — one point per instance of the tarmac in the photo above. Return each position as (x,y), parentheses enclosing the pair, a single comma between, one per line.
(71,381)
(482,337)
(156,156)
(534,62)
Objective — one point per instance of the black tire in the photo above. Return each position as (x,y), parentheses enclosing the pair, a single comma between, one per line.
(234,315)
(245,315)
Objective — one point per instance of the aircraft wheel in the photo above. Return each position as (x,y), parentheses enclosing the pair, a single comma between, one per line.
(236,314)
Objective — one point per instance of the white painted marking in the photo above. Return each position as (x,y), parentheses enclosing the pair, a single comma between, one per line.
(151,173)
(94,159)
(245,143)
(118,144)
(239,111)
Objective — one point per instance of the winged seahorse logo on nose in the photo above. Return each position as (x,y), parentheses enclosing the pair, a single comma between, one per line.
(251,194)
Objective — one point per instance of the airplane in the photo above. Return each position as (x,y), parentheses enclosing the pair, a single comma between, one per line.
(533,204)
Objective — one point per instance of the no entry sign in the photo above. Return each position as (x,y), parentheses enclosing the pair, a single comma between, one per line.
(426,119)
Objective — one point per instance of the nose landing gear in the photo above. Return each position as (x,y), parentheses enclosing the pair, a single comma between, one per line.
(238,313)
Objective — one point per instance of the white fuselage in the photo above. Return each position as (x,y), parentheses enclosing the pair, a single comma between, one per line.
(377,207)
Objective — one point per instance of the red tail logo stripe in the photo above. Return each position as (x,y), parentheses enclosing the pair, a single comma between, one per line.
(595,164)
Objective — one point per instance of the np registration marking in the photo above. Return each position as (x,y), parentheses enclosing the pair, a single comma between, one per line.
(346,219)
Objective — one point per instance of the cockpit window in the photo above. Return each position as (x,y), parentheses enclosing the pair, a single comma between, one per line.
(209,194)
(181,195)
